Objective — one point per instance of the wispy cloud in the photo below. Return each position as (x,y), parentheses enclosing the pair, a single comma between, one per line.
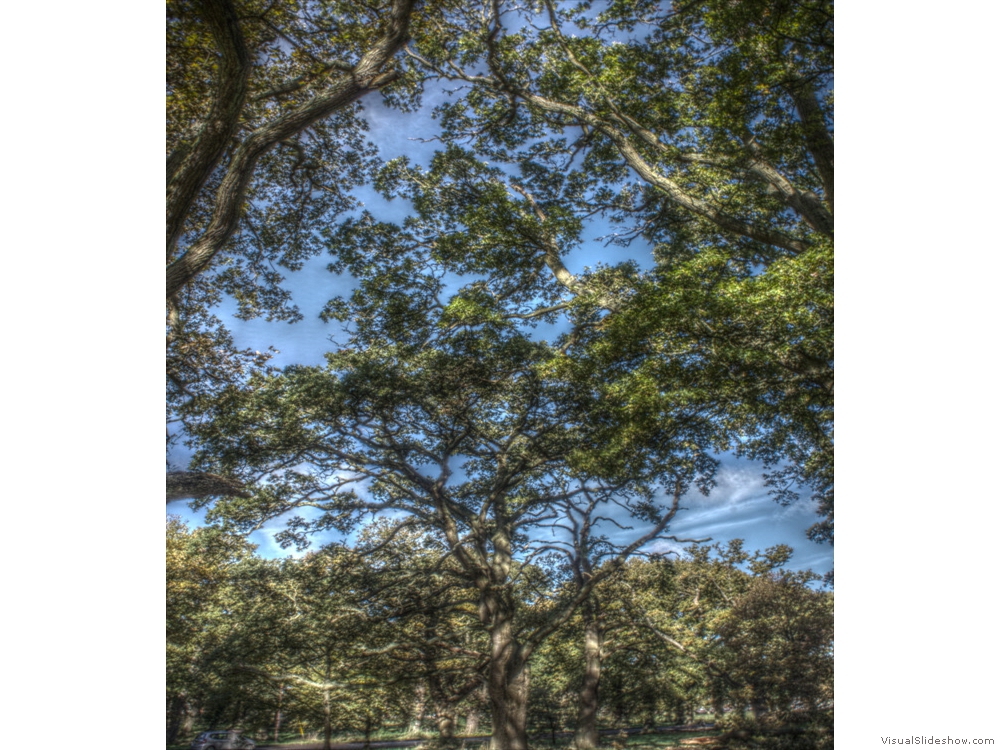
(739,507)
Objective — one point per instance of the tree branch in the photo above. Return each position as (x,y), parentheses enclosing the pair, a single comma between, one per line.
(189,165)
(199,484)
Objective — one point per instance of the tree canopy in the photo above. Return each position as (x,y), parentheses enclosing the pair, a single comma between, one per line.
(703,130)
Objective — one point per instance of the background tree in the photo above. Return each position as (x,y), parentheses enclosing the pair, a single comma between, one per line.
(757,634)
(199,567)
(778,642)
(327,646)
(429,614)
(340,638)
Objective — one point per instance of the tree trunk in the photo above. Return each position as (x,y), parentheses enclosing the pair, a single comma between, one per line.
(509,682)
(679,712)
(649,724)
(277,714)
(175,716)
(419,707)
(586,737)
(619,713)
(471,722)
(446,724)
(368,732)
(444,709)
(327,723)
(718,707)
(200,484)
(187,726)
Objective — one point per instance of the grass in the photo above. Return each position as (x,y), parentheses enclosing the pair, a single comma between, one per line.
(632,742)
(673,739)
(537,742)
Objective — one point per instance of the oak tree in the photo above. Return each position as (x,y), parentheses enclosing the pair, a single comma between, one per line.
(455,428)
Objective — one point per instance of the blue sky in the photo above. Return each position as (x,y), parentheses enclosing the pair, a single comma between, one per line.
(739,507)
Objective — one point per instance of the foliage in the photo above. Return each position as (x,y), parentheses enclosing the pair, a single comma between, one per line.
(802,731)
(462,434)
(760,637)
(704,131)
(264,143)
(199,571)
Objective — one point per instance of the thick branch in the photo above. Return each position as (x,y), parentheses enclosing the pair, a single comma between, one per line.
(806,203)
(291,678)
(182,485)
(654,177)
(818,139)
(189,166)
(694,204)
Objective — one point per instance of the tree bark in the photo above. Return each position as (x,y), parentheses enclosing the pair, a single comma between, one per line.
(818,139)
(444,709)
(419,707)
(587,737)
(200,484)
(446,724)
(368,732)
(327,722)
(189,165)
(277,714)
(175,714)
(471,722)
(508,685)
